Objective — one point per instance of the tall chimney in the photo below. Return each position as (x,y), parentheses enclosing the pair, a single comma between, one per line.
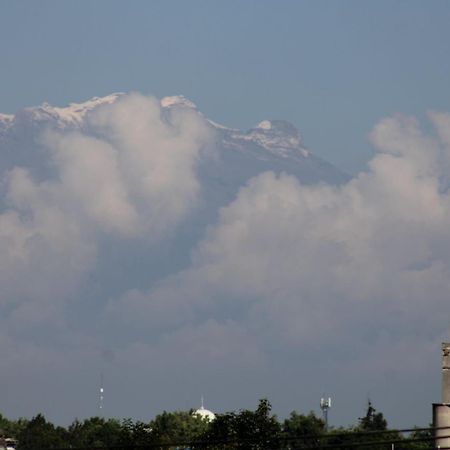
(445,372)
(441,411)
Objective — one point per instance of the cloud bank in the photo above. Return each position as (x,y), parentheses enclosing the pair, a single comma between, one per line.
(293,256)
(347,272)
(337,288)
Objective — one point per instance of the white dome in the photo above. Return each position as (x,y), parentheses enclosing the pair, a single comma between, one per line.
(205,414)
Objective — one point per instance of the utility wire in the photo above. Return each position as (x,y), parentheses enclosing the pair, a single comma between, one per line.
(287,440)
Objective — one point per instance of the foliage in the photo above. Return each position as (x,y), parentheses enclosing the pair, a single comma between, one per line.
(372,421)
(40,434)
(245,430)
(10,428)
(95,432)
(425,440)
(301,430)
(177,427)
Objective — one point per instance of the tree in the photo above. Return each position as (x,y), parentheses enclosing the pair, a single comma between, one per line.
(95,432)
(425,439)
(372,421)
(371,429)
(372,425)
(177,427)
(250,430)
(40,434)
(11,428)
(301,430)
(136,435)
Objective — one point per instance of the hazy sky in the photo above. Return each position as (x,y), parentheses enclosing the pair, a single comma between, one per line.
(291,291)
(333,68)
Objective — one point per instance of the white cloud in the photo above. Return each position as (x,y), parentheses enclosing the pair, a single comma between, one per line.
(287,270)
(129,172)
(309,265)
(157,158)
(91,181)
(43,249)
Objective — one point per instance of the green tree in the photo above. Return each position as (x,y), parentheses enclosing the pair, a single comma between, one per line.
(371,427)
(40,434)
(343,437)
(372,421)
(301,430)
(370,431)
(425,440)
(250,430)
(95,432)
(177,427)
(11,428)
(139,435)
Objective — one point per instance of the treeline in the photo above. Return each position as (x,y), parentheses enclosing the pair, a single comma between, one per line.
(246,430)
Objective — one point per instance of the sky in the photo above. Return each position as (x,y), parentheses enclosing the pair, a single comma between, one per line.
(290,292)
(331,68)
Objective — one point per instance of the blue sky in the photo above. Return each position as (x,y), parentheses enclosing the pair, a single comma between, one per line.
(333,68)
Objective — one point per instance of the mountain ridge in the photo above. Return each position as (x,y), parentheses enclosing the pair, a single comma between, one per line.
(273,144)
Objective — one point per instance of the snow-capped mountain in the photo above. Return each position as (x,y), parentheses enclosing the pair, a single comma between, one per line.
(233,158)
(274,145)
(72,115)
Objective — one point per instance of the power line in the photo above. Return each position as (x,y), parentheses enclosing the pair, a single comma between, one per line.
(286,440)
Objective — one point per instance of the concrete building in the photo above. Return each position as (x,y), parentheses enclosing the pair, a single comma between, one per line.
(441,411)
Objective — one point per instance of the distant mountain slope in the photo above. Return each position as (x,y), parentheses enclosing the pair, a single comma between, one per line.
(272,145)
(235,157)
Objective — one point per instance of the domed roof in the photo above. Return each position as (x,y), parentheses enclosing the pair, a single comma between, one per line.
(204,414)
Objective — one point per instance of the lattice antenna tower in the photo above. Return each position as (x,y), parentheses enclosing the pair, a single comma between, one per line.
(101,395)
(325,405)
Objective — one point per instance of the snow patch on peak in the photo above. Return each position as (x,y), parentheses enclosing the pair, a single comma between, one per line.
(277,127)
(94,102)
(219,126)
(6,118)
(276,133)
(6,121)
(277,136)
(75,112)
(177,100)
(265,125)
(72,115)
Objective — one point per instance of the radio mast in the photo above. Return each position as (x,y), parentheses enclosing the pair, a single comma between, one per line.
(325,405)
(100,396)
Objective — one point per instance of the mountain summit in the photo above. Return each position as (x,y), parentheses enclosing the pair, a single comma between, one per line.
(272,145)
(277,136)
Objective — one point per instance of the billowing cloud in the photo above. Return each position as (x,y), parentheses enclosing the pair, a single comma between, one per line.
(127,172)
(132,171)
(345,270)
(296,255)
(286,277)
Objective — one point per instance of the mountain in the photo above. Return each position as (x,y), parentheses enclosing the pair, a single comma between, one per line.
(274,145)
(234,158)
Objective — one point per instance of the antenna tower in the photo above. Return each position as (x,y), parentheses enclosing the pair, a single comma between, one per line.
(100,396)
(325,405)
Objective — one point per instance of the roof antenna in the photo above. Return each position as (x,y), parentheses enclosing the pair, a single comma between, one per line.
(100,398)
(202,407)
